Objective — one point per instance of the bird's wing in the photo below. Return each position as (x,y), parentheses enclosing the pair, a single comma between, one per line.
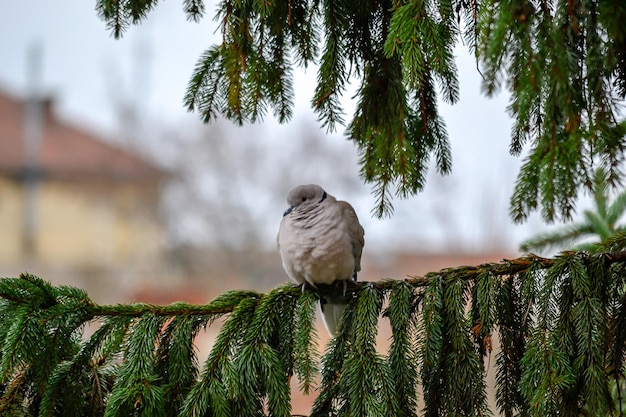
(356,232)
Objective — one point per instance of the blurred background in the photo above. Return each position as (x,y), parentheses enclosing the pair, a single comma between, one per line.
(106,182)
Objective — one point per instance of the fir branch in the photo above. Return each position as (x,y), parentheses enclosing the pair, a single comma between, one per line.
(176,359)
(205,90)
(432,347)
(484,312)
(226,302)
(194,9)
(16,343)
(72,378)
(137,388)
(459,359)
(138,9)
(403,355)
(115,14)
(563,62)
(512,326)
(210,394)
(365,378)
(261,375)
(306,356)
(560,320)
(332,76)
(330,397)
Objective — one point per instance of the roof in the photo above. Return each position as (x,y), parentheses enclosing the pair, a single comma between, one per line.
(65,151)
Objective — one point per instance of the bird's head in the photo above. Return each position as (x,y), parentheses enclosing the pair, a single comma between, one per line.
(304,196)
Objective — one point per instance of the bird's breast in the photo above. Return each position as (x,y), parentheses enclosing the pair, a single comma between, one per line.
(320,255)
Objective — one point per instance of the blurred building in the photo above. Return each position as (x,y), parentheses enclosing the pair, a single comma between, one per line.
(72,207)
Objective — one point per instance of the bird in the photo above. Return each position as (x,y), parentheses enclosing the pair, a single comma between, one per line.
(320,241)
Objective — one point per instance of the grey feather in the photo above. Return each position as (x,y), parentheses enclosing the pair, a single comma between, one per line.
(320,241)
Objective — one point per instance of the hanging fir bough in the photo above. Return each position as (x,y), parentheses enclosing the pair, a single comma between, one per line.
(560,324)
(562,61)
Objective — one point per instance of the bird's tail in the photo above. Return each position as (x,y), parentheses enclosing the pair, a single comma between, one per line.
(332,308)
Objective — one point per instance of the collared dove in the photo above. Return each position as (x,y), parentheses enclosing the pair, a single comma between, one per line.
(320,241)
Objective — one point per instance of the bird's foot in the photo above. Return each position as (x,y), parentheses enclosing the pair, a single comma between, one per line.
(344,286)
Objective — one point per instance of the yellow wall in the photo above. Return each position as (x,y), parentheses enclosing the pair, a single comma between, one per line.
(10,221)
(83,223)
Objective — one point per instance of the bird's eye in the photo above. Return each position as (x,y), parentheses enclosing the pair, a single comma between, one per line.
(303,199)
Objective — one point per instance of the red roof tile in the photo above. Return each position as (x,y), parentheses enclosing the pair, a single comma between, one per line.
(65,151)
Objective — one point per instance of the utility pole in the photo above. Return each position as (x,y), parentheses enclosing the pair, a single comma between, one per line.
(33,132)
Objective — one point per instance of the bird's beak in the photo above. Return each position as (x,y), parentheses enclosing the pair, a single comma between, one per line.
(288,211)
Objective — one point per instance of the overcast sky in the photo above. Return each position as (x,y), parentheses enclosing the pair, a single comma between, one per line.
(89,71)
